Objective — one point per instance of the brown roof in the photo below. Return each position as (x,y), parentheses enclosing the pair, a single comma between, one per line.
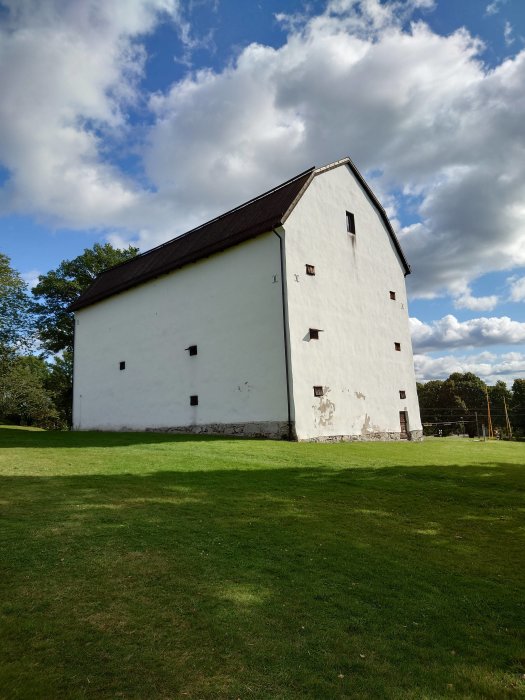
(259,215)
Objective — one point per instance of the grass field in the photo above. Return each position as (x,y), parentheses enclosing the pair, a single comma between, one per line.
(154,566)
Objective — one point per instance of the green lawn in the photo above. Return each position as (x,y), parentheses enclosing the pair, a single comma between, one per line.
(155,566)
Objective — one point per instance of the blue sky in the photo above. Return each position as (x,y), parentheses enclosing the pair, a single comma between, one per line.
(132,122)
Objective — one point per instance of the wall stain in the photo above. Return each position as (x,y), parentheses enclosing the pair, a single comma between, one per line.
(359,395)
(245,387)
(368,428)
(324,410)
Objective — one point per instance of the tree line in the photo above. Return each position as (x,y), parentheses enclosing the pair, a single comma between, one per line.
(463,403)
(36,357)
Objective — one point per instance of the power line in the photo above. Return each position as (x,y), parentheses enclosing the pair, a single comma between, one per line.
(464,410)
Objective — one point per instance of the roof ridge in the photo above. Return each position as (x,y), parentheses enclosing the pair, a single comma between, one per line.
(216,218)
(330,166)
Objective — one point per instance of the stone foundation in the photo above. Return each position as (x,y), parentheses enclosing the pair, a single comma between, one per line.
(275,430)
(278,430)
(414,436)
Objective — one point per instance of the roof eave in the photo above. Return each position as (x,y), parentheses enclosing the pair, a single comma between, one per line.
(382,212)
(224,244)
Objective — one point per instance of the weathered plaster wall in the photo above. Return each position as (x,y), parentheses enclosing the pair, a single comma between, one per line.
(348,299)
(229,305)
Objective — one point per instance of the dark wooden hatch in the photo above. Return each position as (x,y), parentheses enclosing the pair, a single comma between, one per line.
(403,421)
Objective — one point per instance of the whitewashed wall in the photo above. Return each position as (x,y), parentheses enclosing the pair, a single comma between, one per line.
(229,305)
(348,299)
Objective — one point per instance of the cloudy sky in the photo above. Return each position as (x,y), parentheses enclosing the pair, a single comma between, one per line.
(134,121)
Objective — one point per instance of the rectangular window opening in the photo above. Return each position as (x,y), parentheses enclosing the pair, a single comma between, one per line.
(310,270)
(402,394)
(192,349)
(397,346)
(318,391)
(314,333)
(122,365)
(350,222)
(393,295)
(194,400)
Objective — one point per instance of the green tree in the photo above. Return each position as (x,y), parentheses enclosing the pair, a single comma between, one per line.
(469,388)
(454,408)
(24,398)
(517,417)
(498,395)
(451,405)
(16,321)
(430,405)
(441,406)
(469,392)
(59,384)
(57,289)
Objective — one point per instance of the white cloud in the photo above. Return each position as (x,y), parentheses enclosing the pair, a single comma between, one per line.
(31,277)
(463,299)
(517,289)
(448,332)
(467,301)
(417,109)
(494,7)
(69,73)
(489,367)
(507,34)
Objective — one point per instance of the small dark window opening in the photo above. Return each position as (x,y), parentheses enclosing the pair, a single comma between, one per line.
(397,346)
(194,400)
(402,394)
(318,391)
(350,222)
(122,365)
(192,349)
(310,270)
(393,295)
(314,333)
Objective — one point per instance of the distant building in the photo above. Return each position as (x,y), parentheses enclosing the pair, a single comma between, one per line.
(285,317)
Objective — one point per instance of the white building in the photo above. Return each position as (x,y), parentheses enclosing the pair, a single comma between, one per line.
(285,317)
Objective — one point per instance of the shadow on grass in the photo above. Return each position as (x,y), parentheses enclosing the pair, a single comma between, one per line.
(11,437)
(283,583)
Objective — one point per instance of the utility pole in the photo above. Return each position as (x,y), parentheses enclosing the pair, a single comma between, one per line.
(509,428)
(489,419)
(477,426)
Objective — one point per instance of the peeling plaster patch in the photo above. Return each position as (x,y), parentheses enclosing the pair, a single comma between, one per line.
(359,395)
(368,427)
(324,410)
